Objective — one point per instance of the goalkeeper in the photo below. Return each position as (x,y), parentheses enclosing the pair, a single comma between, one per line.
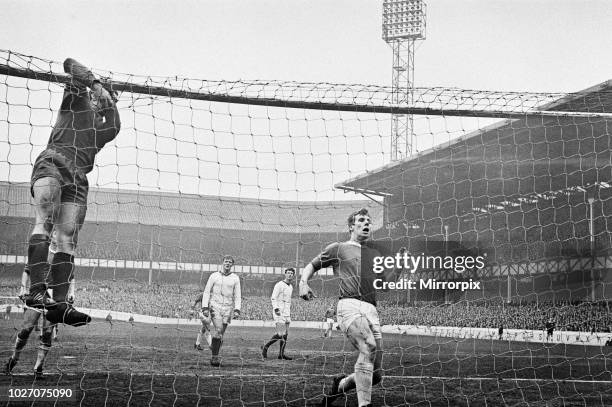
(281,308)
(87,119)
(221,301)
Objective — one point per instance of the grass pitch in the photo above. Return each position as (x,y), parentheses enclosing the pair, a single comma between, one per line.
(142,364)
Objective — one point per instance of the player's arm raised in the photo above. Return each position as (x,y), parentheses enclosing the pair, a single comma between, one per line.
(111,125)
(83,77)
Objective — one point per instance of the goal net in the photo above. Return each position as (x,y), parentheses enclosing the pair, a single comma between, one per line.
(268,172)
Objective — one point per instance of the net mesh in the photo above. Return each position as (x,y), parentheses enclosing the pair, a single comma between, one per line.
(260,170)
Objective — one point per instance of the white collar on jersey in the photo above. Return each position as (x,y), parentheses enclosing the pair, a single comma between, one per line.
(354,243)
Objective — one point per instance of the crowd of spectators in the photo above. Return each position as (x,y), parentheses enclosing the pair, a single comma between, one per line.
(176,301)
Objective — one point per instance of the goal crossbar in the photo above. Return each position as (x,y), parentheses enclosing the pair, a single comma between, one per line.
(122,86)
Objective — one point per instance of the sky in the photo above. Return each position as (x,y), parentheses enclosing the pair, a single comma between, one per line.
(515,46)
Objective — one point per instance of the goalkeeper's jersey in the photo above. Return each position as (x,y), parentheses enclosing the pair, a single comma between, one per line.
(76,135)
(281,298)
(222,291)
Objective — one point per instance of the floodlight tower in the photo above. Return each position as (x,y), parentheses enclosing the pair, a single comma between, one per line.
(403,24)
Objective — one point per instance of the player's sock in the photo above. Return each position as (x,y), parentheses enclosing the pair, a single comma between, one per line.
(281,352)
(20,343)
(215,346)
(208,338)
(62,268)
(38,251)
(274,338)
(363,381)
(43,349)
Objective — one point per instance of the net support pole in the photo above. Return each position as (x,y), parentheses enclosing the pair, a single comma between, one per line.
(509,288)
(592,246)
(151,259)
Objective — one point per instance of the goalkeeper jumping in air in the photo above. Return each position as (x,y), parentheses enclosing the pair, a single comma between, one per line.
(356,311)
(221,301)
(87,120)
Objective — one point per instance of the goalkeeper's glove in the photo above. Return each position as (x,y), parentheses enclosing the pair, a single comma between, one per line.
(236,313)
(305,291)
(277,312)
(206,312)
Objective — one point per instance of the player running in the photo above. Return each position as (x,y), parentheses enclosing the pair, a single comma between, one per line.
(86,121)
(221,301)
(281,312)
(356,309)
(205,330)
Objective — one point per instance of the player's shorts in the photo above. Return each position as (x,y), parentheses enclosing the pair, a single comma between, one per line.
(281,319)
(221,314)
(73,182)
(329,321)
(349,309)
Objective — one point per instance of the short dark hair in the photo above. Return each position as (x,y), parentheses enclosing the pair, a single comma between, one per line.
(228,257)
(290,269)
(351,218)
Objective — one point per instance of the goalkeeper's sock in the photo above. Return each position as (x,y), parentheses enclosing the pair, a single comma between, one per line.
(43,349)
(363,381)
(38,251)
(62,269)
(20,343)
(215,346)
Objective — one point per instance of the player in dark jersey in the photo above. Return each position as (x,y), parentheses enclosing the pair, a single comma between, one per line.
(86,121)
(356,309)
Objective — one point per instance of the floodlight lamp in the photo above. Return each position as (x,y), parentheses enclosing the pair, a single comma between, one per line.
(403,19)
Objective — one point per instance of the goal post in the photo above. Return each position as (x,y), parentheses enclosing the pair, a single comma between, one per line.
(268,172)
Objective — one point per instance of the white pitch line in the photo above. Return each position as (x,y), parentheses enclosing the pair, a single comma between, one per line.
(233,375)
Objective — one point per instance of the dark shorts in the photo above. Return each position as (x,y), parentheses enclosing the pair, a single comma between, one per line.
(73,182)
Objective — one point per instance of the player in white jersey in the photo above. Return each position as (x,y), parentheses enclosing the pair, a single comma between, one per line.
(221,301)
(281,312)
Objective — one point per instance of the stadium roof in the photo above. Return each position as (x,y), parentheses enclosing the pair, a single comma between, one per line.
(194,211)
(510,163)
